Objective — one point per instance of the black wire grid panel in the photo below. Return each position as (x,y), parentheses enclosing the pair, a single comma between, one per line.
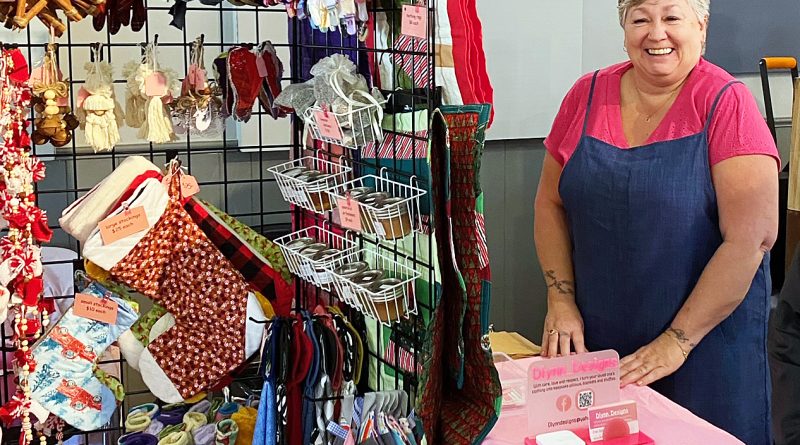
(231,169)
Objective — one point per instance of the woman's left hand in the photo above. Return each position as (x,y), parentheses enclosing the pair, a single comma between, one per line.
(654,361)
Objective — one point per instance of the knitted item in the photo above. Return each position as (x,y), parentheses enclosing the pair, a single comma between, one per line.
(151,409)
(137,422)
(138,439)
(194,420)
(171,429)
(63,381)
(155,428)
(100,114)
(205,435)
(177,438)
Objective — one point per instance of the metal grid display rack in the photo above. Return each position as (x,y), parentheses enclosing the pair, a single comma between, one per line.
(235,172)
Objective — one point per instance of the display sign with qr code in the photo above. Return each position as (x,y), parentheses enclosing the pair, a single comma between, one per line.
(561,390)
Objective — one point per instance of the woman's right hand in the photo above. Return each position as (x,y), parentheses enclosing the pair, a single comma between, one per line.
(563,330)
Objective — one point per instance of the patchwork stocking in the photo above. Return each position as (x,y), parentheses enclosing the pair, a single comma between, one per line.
(63,381)
(176,265)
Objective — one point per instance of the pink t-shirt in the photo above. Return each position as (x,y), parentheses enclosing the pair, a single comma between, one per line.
(737,127)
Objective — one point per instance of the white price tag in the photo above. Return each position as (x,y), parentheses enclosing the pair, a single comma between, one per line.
(379,229)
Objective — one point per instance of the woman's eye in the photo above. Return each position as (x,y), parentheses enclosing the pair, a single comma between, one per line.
(673,19)
(639,21)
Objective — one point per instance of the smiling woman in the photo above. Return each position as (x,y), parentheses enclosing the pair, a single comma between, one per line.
(642,210)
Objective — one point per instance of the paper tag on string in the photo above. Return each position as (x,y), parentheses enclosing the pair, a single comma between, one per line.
(103,310)
(155,85)
(82,95)
(37,75)
(189,186)
(415,21)
(349,213)
(125,224)
(261,66)
(328,125)
(165,181)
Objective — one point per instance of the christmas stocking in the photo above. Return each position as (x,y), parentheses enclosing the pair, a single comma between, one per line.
(63,380)
(174,263)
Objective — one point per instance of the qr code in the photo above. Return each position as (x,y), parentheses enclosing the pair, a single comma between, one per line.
(585,399)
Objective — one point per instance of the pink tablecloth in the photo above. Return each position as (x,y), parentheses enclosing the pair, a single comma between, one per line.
(665,421)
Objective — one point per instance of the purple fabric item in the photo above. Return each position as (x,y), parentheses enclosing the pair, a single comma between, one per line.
(138,439)
(172,417)
(308,36)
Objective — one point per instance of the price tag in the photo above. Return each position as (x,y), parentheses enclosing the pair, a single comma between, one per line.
(379,230)
(261,66)
(189,186)
(125,224)
(415,21)
(103,310)
(328,125)
(82,95)
(349,213)
(155,85)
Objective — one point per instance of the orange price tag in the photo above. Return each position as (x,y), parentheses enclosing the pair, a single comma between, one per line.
(415,21)
(155,85)
(349,213)
(189,186)
(125,224)
(328,125)
(103,310)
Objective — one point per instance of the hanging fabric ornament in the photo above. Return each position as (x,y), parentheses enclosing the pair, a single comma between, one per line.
(99,111)
(20,256)
(55,122)
(135,72)
(198,110)
(158,84)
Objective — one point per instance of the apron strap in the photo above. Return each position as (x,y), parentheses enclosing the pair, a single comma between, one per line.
(589,105)
(716,102)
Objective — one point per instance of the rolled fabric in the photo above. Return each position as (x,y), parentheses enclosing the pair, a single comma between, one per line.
(194,420)
(155,428)
(227,432)
(226,411)
(137,422)
(205,434)
(245,418)
(138,439)
(151,409)
(173,417)
(171,429)
(201,407)
(82,216)
(177,438)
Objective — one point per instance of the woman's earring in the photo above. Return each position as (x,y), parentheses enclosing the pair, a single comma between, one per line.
(625,48)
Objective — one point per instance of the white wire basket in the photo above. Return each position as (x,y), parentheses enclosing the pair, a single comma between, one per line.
(376,284)
(312,252)
(353,127)
(306,182)
(388,209)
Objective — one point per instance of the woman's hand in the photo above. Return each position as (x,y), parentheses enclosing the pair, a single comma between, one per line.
(563,326)
(662,357)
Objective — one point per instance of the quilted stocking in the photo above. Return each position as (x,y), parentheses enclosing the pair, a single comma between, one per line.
(63,381)
(177,266)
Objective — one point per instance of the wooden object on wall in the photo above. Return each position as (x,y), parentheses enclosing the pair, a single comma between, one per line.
(793,204)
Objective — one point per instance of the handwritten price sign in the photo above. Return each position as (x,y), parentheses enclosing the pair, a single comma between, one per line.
(103,310)
(125,224)
(415,21)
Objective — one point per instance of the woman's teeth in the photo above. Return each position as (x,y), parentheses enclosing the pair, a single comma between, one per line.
(659,52)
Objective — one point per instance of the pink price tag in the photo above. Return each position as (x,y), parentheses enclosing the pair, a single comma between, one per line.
(261,66)
(103,310)
(37,74)
(123,225)
(189,186)
(349,213)
(328,125)
(155,85)
(415,21)
(82,95)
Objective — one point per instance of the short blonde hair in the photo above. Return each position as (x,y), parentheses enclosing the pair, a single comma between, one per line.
(701,7)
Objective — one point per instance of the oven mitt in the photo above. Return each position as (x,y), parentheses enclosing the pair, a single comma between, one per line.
(63,381)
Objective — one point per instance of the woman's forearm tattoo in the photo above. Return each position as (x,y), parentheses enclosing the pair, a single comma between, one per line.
(564,287)
(680,335)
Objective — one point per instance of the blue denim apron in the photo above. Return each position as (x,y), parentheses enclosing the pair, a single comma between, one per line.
(644,224)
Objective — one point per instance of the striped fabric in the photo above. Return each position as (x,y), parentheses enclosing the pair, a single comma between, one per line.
(416,66)
(402,145)
(404,359)
(483,257)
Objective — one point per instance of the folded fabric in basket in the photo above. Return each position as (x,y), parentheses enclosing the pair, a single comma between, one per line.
(80,218)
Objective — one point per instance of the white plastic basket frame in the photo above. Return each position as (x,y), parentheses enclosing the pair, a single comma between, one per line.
(387,222)
(311,195)
(362,119)
(316,271)
(398,300)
